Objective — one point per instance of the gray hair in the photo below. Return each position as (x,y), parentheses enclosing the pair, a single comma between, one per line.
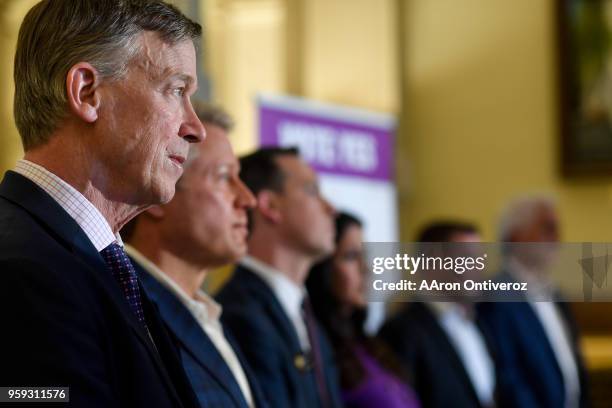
(521,212)
(56,34)
(214,115)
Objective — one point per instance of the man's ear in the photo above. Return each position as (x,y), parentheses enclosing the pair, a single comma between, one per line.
(82,91)
(156,212)
(268,206)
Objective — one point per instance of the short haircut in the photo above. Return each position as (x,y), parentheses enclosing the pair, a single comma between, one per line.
(442,231)
(260,170)
(56,34)
(214,115)
(521,212)
(345,220)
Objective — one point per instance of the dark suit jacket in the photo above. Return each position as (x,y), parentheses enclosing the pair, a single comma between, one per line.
(66,322)
(427,354)
(210,376)
(269,342)
(529,375)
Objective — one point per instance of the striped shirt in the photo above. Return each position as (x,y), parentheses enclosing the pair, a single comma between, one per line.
(89,218)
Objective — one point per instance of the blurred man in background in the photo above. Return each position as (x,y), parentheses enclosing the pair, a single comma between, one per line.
(265,302)
(175,245)
(535,339)
(439,342)
(102,105)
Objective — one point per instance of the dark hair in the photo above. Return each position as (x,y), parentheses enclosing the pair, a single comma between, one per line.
(260,170)
(345,332)
(442,231)
(56,34)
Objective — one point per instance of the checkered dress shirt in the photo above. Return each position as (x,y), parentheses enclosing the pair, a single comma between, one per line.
(91,221)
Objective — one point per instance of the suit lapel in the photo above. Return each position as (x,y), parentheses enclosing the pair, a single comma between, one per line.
(257,393)
(527,315)
(58,223)
(537,333)
(445,345)
(190,334)
(260,289)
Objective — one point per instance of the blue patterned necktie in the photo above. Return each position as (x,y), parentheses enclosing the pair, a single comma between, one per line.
(123,271)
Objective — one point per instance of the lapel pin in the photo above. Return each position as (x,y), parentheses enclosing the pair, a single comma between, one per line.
(300,362)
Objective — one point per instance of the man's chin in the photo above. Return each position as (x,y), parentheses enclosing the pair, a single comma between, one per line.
(164,193)
(240,251)
(323,252)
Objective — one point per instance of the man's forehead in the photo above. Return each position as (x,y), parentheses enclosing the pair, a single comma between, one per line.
(545,213)
(215,150)
(295,165)
(465,237)
(296,170)
(176,61)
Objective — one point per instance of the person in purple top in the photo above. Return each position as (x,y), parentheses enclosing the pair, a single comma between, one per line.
(369,374)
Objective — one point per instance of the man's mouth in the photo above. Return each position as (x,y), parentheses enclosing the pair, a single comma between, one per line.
(242,227)
(177,159)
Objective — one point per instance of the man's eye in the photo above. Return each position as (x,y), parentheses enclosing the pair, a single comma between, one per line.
(312,190)
(179,91)
(352,255)
(224,176)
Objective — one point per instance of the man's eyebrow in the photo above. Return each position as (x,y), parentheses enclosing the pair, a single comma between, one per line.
(188,79)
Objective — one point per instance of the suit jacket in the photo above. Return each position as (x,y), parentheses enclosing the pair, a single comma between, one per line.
(529,375)
(427,354)
(269,342)
(210,376)
(66,320)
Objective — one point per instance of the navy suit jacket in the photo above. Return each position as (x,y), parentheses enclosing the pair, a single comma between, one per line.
(66,322)
(210,376)
(269,342)
(529,375)
(424,349)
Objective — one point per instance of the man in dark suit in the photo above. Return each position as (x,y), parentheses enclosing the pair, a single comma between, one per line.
(102,106)
(265,302)
(534,335)
(175,245)
(440,343)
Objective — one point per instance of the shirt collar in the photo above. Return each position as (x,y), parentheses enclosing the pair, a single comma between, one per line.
(442,309)
(86,215)
(289,294)
(202,306)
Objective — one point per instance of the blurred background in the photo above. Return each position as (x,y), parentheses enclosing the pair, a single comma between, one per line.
(476,87)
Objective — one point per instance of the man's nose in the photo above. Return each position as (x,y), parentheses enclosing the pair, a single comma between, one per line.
(192,129)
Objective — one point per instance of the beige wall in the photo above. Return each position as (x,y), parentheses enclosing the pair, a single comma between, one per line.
(478,83)
(341,51)
(11,14)
(480,118)
(245,54)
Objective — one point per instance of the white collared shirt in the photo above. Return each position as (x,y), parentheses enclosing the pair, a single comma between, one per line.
(550,318)
(89,218)
(289,295)
(469,344)
(207,313)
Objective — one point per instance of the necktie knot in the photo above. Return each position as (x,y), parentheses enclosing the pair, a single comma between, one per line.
(124,273)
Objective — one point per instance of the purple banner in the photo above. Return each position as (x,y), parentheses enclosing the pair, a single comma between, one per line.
(334,140)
